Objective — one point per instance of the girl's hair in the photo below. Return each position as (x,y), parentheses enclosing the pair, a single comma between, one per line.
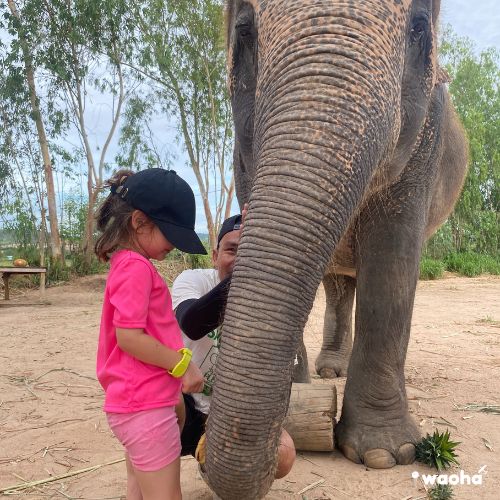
(114,219)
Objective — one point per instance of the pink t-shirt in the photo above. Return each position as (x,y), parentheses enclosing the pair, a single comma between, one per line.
(136,297)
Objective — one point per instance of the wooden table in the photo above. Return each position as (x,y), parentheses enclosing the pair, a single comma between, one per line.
(7,272)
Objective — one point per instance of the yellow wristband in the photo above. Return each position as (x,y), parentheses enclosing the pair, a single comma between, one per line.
(180,368)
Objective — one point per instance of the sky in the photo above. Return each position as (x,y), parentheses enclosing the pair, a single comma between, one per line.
(476,19)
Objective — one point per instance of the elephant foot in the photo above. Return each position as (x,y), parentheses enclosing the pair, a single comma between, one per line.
(332,364)
(378,447)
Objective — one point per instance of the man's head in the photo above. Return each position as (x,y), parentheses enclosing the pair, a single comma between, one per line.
(227,244)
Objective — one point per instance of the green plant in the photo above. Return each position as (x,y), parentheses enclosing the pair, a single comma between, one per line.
(19,222)
(437,450)
(30,253)
(440,492)
(199,261)
(73,223)
(81,267)
(192,261)
(431,269)
(472,264)
(57,271)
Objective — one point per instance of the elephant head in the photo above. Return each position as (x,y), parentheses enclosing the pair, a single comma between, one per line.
(328,99)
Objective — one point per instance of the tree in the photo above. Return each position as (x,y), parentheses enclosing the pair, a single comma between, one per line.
(77,51)
(180,59)
(84,45)
(23,33)
(23,205)
(475,91)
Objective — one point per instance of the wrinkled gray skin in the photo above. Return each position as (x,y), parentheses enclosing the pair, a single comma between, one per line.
(350,156)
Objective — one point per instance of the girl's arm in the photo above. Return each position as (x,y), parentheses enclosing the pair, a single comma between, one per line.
(137,343)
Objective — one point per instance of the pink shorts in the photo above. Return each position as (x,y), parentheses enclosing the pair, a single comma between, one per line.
(151,437)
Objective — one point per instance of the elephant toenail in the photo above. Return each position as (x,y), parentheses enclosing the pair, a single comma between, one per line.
(350,453)
(379,458)
(406,454)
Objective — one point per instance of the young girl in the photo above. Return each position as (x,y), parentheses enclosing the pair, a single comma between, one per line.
(141,362)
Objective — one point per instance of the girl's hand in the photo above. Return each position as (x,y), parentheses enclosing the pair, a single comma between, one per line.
(192,380)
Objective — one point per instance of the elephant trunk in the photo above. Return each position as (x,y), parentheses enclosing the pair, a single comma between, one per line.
(324,121)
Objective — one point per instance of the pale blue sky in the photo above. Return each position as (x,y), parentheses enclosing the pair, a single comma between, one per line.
(477,19)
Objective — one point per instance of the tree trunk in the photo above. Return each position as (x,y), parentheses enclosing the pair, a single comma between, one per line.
(94,190)
(212,237)
(310,420)
(41,243)
(55,240)
(89,225)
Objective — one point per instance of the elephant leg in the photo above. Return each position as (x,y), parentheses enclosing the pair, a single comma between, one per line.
(375,427)
(301,369)
(337,331)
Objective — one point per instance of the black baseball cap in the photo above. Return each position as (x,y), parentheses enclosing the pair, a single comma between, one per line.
(168,201)
(231,224)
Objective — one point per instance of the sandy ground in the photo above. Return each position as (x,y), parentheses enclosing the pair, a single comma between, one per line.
(50,403)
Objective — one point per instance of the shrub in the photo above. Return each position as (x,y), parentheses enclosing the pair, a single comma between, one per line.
(190,261)
(431,269)
(177,262)
(437,450)
(440,492)
(199,261)
(74,265)
(81,267)
(472,264)
(57,271)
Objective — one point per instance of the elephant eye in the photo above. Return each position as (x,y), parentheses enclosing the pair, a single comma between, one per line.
(244,31)
(419,29)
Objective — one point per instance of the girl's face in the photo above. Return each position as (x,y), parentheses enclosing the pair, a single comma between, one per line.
(152,244)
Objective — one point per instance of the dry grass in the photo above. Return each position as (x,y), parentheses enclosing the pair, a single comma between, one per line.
(484,408)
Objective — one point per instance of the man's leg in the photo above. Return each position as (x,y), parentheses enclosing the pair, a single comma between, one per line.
(194,426)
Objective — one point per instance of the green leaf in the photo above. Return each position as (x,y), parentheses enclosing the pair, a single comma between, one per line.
(437,450)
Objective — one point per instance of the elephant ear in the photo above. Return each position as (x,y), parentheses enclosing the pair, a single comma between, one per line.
(442,76)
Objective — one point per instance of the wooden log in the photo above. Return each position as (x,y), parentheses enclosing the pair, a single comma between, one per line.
(310,420)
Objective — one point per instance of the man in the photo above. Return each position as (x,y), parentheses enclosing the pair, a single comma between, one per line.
(199,299)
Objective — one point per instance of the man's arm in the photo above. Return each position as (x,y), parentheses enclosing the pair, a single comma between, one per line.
(198,317)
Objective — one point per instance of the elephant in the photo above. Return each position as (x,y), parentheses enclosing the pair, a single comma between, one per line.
(350,155)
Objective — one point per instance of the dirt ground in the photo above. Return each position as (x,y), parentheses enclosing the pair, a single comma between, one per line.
(51,421)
